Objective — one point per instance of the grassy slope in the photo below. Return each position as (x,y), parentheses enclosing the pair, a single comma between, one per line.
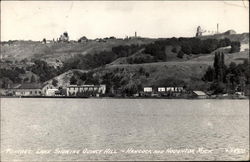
(189,70)
(61,51)
(183,69)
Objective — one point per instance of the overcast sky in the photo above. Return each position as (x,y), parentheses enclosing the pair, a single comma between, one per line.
(43,19)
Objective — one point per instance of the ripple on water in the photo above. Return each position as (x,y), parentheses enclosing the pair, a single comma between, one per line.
(122,124)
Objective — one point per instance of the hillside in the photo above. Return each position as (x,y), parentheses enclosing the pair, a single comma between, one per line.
(243,38)
(152,74)
(109,62)
(18,50)
(59,52)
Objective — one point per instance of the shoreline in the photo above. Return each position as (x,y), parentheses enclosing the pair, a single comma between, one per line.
(169,98)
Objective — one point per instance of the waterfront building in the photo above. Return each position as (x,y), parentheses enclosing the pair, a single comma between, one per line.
(27,89)
(86,90)
(148,89)
(52,92)
(174,89)
(200,94)
(161,89)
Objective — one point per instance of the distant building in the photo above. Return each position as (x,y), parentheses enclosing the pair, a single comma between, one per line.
(161,89)
(174,89)
(202,32)
(46,87)
(148,89)
(83,39)
(52,92)
(229,32)
(198,31)
(100,40)
(31,89)
(27,89)
(64,37)
(86,90)
(200,94)
(169,89)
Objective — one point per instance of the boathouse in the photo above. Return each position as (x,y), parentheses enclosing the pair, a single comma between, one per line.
(199,94)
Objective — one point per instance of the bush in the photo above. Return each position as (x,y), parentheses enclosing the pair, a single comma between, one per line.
(209,75)
(54,82)
(218,87)
(235,47)
(73,80)
(43,70)
(180,54)
(174,50)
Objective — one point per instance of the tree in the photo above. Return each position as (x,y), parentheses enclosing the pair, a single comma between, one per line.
(174,50)
(43,70)
(224,42)
(32,79)
(180,54)
(26,80)
(235,47)
(186,49)
(219,67)
(44,40)
(209,75)
(141,70)
(54,82)
(216,65)
(218,87)
(73,80)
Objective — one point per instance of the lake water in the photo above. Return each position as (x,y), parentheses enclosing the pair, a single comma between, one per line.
(123,129)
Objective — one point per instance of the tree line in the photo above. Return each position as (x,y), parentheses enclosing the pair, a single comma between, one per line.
(232,78)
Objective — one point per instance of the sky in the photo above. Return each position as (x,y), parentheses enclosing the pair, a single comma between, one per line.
(35,20)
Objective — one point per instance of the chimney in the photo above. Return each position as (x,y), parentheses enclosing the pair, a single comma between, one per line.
(135,34)
(217,28)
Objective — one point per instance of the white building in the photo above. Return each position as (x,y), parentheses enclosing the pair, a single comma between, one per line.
(147,89)
(78,90)
(51,92)
(161,89)
(200,94)
(174,89)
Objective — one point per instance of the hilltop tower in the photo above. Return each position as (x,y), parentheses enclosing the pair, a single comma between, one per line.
(198,32)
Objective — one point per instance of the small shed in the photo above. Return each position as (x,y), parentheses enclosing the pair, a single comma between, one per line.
(200,94)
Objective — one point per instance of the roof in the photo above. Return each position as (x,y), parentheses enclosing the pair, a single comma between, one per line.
(14,86)
(85,85)
(30,86)
(200,93)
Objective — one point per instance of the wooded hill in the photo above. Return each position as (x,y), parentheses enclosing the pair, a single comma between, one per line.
(129,64)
